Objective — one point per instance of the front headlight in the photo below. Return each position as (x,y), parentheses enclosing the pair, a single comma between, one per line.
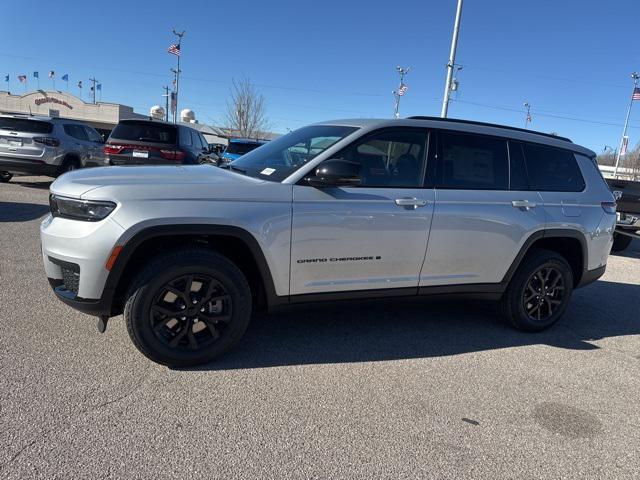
(87,210)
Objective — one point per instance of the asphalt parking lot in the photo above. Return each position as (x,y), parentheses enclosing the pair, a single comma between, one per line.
(421,389)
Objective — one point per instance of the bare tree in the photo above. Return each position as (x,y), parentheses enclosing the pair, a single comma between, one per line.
(245,115)
(607,157)
(632,163)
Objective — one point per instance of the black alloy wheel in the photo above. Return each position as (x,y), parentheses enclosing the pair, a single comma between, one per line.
(190,312)
(543,293)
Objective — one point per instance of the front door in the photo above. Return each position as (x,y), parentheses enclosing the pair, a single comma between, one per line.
(373,236)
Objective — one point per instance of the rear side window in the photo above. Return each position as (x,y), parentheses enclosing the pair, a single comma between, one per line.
(472,162)
(144,132)
(186,139)
(25,125)
(552,169)
(76,131)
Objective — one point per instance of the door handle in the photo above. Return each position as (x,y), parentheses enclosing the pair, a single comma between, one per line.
(526,204)
(410,202)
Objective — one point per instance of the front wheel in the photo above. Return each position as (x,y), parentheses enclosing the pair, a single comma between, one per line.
(5,177)
(188,307)
(539,292)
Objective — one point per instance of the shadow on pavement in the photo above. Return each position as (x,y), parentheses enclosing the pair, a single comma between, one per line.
(378,331)
(21,212)
(42,185)
(632,251)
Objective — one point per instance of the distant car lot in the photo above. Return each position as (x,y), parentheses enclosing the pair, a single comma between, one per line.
(395,390)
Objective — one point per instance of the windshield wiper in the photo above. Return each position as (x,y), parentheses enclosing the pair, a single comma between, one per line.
(235,169)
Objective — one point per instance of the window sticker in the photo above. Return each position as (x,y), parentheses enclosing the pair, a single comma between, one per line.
(268,171)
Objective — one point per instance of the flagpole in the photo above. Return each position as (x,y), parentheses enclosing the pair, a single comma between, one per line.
(179,35)
(635,76)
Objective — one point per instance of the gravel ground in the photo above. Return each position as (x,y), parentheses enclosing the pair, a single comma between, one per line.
(419,389)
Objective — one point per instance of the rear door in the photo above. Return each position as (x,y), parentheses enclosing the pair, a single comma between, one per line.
(78,137)
(373,236)
(484,211)
(95,144)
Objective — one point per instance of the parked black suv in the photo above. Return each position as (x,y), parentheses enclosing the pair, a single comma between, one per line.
(149,142)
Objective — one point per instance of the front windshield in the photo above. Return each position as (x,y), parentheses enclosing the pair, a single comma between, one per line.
(279,158)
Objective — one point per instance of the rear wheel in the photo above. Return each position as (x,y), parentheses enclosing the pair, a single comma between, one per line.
(620,242)
(187,308)
(5,177)
(539,292)
(68,165)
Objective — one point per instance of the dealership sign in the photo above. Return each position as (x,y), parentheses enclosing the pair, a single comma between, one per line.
(40,101)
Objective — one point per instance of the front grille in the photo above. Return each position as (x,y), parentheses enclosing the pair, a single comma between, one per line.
(70,280)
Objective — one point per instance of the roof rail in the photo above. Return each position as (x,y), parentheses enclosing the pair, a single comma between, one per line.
(484,124)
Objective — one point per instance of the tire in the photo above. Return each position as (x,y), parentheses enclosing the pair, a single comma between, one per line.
(620,242)
(5,177)
(68,165)
(148,315)
(526,285)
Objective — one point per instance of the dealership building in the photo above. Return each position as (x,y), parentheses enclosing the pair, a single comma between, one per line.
(103,116)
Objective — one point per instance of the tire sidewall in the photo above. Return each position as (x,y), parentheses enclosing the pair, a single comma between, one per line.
(522,319)
(139,318)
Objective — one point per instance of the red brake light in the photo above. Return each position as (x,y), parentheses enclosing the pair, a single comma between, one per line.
(175,155)
(48,141)
(609,207)
(114,149)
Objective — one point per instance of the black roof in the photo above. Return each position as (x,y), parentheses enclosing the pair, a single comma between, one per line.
(484,124)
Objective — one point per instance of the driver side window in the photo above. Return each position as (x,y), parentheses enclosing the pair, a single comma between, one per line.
(391,158)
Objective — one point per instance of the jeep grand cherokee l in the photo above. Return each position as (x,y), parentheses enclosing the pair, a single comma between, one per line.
(336,210)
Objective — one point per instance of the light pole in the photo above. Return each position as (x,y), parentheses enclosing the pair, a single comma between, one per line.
(452,61)
(635,76)
(527,119)
(177,71)
(402,89)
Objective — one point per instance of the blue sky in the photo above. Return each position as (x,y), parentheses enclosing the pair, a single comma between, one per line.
(570,59)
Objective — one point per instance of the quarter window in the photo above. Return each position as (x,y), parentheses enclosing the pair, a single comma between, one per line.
(552,169)
(393,158)
(473,162)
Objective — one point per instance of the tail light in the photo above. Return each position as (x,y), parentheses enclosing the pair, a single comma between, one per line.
(113,149)
(48,141)
(609,207)
(175,155)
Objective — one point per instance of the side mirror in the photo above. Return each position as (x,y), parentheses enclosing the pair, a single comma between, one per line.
(336,173)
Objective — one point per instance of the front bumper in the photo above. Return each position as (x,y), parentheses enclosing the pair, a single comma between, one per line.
(98,308)
(33,167)
(73,248)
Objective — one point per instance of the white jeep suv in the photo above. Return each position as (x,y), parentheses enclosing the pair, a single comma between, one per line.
(336,210)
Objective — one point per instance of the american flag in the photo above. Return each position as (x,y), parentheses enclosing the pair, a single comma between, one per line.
(52,74)
(636,94)
(174,49)
(403,89)
(22,78)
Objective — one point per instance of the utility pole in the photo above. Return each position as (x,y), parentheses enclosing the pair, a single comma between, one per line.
(177,71)
(93,88)
(166,108)
(527,119)
(452,61)
(635,76)
(402,89)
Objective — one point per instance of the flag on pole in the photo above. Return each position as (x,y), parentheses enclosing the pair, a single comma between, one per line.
(6,78)
(65,77)
(174,49)
(99,86)
(625,144)
(22,78)
(52,74)
(80,84)
(402,90)
(36,75)
(636,94)
(174,102)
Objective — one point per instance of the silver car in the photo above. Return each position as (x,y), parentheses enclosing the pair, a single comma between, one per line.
(337,210)
(46,146)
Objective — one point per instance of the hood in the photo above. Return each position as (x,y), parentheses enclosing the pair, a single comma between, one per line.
(81,182)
